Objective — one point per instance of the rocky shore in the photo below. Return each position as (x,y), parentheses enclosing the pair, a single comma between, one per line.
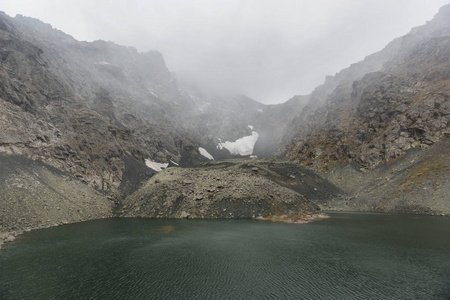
(418,182)
(295,218)
(35,195)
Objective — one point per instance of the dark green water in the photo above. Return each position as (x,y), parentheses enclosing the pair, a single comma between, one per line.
(350,256)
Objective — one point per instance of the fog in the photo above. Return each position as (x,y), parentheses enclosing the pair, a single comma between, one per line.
(268,50)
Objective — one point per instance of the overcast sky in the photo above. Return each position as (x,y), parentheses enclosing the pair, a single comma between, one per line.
(269,50)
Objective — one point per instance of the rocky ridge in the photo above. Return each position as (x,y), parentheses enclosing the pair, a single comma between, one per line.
(81,107)
(372,117)
(379,130)
(229,189)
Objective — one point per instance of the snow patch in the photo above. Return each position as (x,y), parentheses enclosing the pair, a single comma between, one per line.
(243,146)
(155,165)
(250,126)
(259,110)
(174,163)
(205,153)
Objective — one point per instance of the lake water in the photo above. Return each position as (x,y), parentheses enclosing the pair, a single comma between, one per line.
(349,256)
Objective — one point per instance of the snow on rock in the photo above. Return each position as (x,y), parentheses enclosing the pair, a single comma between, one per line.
(205,153)
(155,166)
(243,146)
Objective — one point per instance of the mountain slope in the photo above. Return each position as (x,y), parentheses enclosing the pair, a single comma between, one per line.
(88,116)
(82,106)
(370,119)
(80,121)
(90,108)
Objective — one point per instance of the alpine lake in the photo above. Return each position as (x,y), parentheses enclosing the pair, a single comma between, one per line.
(348,256)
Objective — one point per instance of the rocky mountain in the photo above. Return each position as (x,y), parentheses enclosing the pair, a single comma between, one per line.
(80,106)
(105,116)
(90,108)
(102,119)
(376,111)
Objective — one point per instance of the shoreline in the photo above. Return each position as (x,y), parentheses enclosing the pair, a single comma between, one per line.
(292,218)
(295,218)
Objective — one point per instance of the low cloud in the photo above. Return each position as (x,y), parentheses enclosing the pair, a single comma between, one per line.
(269,50)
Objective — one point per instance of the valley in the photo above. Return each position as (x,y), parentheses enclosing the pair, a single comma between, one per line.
(86,126)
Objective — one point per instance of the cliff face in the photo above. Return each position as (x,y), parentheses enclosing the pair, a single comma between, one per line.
(380,129)
(377,109)
(82,106)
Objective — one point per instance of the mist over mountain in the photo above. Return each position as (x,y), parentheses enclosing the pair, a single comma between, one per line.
(393,100)
(82,106)
(109,118)
(387,115)
(266,50)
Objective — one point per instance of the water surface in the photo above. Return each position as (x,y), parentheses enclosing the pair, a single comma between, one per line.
(349,256)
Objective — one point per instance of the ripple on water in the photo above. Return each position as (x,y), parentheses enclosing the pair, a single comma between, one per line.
(349,256)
